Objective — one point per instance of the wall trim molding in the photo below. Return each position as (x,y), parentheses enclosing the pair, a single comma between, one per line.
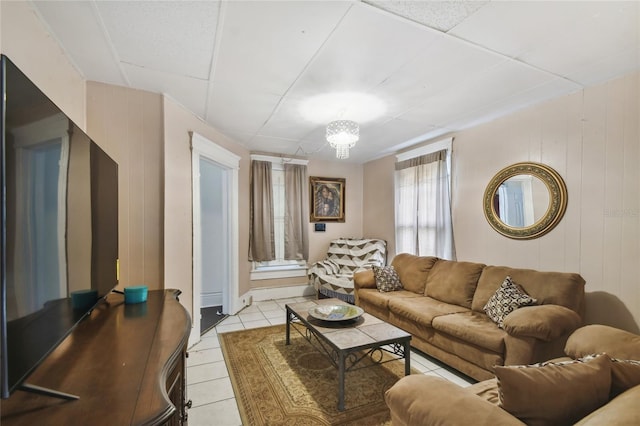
(425,149)
(266,274)
(202,147)
(271,293)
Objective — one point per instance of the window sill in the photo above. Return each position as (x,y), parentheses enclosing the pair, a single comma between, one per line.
(275,272)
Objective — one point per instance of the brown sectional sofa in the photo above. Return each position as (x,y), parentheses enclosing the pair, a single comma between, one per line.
(565,392)
(441,305)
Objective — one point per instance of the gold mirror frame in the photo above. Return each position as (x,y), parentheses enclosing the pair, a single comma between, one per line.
(557,200)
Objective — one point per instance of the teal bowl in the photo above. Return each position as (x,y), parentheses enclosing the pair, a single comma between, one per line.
(135,294)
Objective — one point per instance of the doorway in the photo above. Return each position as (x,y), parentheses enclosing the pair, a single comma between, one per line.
(214,225)
(215,230)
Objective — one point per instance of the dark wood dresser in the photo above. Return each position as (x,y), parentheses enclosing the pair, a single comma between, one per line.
(126,363)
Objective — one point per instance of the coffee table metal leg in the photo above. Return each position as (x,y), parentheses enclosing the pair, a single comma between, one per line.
(288,326)
(341,371)
(407,358)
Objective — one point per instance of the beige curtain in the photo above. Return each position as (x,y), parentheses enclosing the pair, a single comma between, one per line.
(296,231)
(261,236)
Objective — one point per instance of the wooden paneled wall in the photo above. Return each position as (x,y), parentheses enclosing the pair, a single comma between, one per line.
(127,124)
(592,139)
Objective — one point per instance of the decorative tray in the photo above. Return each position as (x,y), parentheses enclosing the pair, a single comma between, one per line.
(336,312)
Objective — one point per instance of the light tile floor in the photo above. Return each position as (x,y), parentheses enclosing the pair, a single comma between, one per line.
(208,383)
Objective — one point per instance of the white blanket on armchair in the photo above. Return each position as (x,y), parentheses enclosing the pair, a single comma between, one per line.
(333,276)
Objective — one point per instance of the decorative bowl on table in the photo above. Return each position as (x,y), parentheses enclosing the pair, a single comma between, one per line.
(336,312)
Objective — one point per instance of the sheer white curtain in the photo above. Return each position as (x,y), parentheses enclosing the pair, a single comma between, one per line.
(423,207)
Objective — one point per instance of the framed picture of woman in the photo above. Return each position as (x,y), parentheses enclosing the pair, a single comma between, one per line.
(327,199)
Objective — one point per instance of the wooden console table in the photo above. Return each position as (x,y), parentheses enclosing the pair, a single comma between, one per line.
(125,362)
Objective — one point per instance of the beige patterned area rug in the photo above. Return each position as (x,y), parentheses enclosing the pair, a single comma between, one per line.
(276,384)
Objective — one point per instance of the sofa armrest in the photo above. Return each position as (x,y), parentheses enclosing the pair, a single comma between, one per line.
(544,322)
(622,410)
(428,400)
(596,338)
(364,279)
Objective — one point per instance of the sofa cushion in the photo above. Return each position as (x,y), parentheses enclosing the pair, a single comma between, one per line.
(453,282)
(386,278)
(507,298)
(472,327)
(413,270)
(463,355)
(381,299)
(554,394)
(556,288)
(422,309)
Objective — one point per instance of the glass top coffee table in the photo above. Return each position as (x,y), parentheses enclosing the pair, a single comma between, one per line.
(347,343)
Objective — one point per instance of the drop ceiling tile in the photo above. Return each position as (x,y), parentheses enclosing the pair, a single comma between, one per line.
(173,36)
(560,37)
(514,102)
(603,33)
(393,134)
(499,82)
(188,91)
(512,28)
(441,15)
(288,122)
(443,64)
(266,45)
(242,138)
(366,48)
(83,41)
(608,67)
(317,135)
(312,147)
(244,111)
(315,145)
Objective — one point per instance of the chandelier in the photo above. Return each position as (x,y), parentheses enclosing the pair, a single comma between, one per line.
(342,135)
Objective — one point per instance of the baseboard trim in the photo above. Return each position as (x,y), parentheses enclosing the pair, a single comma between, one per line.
(269,293)
(211,299)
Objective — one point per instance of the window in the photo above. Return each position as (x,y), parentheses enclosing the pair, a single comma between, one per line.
(279,266)
(277,179)
(423,202)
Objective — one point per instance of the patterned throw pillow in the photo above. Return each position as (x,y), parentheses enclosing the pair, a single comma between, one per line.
(387,278)
(509,297)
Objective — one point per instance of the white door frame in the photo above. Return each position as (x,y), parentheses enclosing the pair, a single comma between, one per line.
(202,147)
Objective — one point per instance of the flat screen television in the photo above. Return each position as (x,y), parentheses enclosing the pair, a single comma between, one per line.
(59,233)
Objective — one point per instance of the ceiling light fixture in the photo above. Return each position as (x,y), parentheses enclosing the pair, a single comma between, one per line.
(342,135)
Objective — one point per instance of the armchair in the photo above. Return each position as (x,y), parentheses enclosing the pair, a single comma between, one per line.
(333,276)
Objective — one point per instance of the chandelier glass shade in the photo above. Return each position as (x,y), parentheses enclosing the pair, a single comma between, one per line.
(342,135)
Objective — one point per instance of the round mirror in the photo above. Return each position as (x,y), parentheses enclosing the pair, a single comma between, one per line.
(525,200)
